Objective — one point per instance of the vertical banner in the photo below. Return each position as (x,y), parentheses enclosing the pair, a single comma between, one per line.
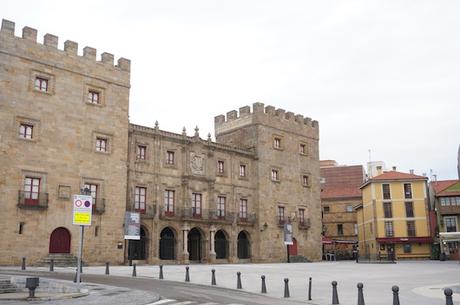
(288,234)
(132,225)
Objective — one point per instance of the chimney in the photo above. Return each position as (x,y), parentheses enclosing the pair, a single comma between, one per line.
(411,171)
(379,170)
(394,168)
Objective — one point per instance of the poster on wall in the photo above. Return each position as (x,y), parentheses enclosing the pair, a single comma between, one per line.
(132,225)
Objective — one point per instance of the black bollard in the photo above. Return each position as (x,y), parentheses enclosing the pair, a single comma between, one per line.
(448,293)
(335,296)
(286,288)
(107,271)
(213,278)
(360,294)
(52,265)
(161,272)
(187,275)
(309,289)
(134,270)
(81,267)
(23,265)
(238,281)
(357,256)
(264,287)
(395,295)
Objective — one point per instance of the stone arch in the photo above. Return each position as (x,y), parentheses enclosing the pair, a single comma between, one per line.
(60,241)
(167,247)
(244,245)
(196,240)
(221,241)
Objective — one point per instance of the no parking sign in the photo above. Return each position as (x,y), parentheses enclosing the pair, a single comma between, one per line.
(82,210)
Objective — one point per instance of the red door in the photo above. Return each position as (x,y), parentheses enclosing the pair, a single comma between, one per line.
(293,247)
(60,241)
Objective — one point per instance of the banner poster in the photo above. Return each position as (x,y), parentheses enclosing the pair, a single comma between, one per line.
(132,225)
(288,234)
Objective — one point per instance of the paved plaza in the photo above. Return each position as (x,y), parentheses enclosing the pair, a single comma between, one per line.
(420,282)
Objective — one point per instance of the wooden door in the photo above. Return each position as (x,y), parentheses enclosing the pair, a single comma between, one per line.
(60,241)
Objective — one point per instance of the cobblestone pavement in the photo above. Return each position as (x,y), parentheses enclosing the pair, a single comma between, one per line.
(420,282)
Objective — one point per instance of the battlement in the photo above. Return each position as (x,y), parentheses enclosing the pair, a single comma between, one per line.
(50,44)
(260,114)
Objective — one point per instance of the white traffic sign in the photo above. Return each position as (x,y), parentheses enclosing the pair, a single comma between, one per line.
(82,210)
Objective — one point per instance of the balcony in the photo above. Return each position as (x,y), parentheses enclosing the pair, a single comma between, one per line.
(248,219)
(305,224)
(32,201)
(449,209)
(149,212)
(98,206)
(175,214)
(280,221)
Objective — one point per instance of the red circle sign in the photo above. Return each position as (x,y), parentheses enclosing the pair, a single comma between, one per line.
(78,203)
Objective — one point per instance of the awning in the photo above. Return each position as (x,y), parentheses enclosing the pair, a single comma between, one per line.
(403,240)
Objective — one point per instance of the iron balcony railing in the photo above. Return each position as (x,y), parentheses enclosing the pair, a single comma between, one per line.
(98,206)
(32,200)
(280,220)
(305,224)
(247,218)
(190,213)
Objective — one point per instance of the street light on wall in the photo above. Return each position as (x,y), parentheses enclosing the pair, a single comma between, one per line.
(264,227)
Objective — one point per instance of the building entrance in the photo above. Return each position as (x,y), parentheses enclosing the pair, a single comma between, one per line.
(221,245)
(167,244)
(194,245)
(60,241)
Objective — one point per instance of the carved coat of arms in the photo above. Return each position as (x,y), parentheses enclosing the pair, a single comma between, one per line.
(197,164)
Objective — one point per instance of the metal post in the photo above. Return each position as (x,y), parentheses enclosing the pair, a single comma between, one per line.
(309,289)
(187,274)
(360,294)
(286,288)
(161,272)
(213,278)
(80,249)
(23,264)
(357,256)
(448,293)
(238,282)
(335,296)
(264,287)
(134,270)
(287,251)
(107,272)
(52,265)
(395,295)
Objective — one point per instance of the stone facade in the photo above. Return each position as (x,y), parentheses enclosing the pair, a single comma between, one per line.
(60,153)
(64,122)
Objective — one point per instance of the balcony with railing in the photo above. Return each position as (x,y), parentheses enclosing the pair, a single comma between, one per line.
(172,213)
(246,218)
(280,220)
(305,224)
(149,212)
(98,206)
(32,200)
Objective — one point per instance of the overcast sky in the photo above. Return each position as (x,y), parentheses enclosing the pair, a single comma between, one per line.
(378,75)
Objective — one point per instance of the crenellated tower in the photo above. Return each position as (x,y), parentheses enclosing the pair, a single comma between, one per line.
(287,166)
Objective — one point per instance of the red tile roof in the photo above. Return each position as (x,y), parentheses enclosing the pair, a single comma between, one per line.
(341,181)
(441,187)
(394,176)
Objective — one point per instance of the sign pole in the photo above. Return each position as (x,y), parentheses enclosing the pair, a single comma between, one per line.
(287,250)
(80,250)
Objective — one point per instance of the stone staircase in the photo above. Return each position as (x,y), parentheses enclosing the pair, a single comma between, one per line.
(6,286)
(60,260)
(298,259)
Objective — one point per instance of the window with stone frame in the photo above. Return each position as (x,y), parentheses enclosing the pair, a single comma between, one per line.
(221,206)
(170,157)
(450,223)
(220,167)
(93,191)
(303,149)
(302,217)
(101,144)
(275,175)
(339,229)
(141,151)
(41,84)
(94,97)
(243,210)
(140,196)
(277,143)
(31,190)
(306,180)
(26,131)
(196,204)
(242,170)
(281,216)
(169,202)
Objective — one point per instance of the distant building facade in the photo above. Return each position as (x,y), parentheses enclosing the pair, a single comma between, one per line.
(340,194)
(445,196)
(65,127)
(393,220)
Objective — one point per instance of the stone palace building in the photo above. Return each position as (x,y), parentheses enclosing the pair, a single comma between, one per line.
(64,126)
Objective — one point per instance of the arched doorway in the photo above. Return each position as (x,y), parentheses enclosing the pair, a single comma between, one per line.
(221,244)
(243,245)
(167,244)
(137,249)
(60,241)
(194,245)
(293,248)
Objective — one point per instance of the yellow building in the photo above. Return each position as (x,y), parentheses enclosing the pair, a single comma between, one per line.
(393,219)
